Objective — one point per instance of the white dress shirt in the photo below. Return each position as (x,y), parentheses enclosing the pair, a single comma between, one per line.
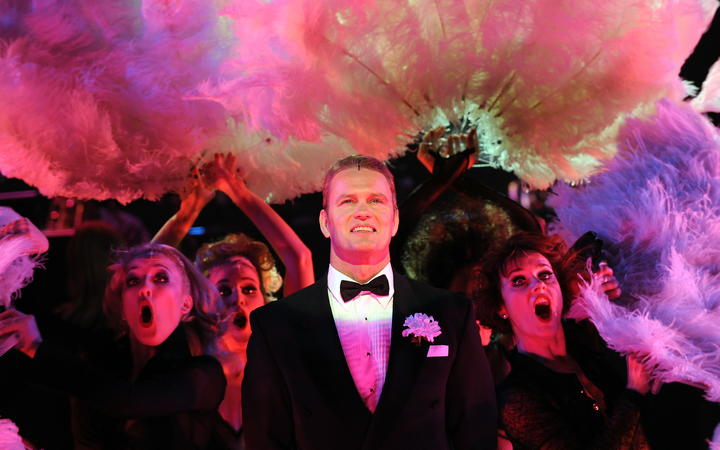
(364,325)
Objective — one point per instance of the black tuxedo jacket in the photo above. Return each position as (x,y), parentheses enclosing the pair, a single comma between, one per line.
(298,392)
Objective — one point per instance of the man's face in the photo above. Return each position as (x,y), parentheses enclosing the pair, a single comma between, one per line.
(360,218)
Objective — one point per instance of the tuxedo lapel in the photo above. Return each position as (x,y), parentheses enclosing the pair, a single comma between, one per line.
(405,357)
(324,357)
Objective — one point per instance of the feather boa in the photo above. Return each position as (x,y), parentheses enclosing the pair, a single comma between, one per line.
(657,206)
(97,96)
(546,83)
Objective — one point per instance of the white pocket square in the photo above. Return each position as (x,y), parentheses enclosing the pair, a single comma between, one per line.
(437,351)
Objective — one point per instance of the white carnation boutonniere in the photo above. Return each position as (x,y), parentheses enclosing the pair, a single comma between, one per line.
(422,328)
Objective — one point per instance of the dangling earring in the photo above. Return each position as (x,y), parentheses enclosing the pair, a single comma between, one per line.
(504,316)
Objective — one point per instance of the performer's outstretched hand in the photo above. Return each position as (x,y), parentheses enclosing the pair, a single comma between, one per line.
(449,157)
(223,173)
(192,202)
(638,376)
(199,193)
(15,325)
(610,284)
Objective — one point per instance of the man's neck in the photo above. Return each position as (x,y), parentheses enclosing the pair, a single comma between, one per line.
(362,273)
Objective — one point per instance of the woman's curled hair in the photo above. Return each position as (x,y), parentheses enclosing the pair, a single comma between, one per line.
(217,253)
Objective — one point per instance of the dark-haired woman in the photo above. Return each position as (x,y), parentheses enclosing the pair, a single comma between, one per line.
(565,390)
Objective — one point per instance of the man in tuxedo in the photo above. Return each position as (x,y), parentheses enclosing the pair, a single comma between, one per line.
(338,365)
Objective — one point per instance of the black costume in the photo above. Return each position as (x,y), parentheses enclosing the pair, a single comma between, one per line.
(171,405)
(541,408)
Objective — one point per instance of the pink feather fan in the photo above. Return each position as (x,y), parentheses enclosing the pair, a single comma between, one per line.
(95,95)
(546,82)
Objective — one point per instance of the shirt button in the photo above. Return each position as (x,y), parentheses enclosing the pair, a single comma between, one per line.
(368,353)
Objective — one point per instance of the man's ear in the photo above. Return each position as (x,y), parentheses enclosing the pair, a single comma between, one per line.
(323,223)
(396,222)
(187,304)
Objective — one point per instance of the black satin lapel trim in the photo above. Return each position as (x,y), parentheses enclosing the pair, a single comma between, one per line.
(405,357)
(324,357)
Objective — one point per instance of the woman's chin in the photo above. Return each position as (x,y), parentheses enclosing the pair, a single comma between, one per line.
(235,340)
(150,339)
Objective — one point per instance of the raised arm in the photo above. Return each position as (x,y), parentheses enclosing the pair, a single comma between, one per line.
(191,204)
(223,174)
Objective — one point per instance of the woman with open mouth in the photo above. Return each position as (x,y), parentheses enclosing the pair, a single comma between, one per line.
(168,311)
(565,389)
(243,272)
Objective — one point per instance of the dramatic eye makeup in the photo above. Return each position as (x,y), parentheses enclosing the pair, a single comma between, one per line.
(546,275)
(161,277)
(224,290)
(131,280)
(249,289)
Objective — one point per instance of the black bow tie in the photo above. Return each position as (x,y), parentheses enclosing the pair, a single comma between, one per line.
(378,286)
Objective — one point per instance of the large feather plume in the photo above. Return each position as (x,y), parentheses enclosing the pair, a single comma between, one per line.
(657,206)
(96,96)
(545,82)
(99,99)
